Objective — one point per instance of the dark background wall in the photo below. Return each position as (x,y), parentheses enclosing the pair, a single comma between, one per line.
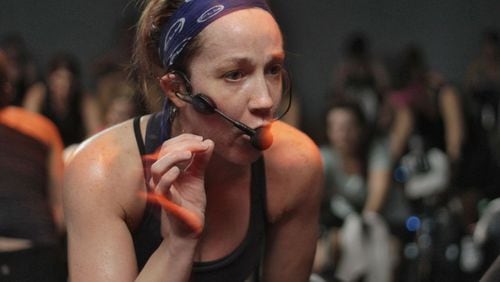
(448,30)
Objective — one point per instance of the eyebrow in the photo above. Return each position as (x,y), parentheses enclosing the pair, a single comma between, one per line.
(244,60)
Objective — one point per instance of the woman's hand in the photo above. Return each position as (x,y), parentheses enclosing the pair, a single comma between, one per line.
(179,184)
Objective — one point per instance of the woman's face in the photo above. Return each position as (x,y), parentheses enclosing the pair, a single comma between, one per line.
(239,68)
(60,82)
(120,109)
(343,130)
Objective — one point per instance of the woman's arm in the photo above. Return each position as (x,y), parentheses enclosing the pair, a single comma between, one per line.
(378,186)
(97,187)
(451,110)
(294,194)
(104,188)
(35,95)
(400,132)
(379,176)
(103,204)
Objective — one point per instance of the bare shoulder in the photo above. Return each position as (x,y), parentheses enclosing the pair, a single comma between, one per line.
(31,123)
(105,173)
(294,170)
(292,149)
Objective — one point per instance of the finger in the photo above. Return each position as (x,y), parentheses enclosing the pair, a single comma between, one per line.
(200,160)
(170,145)
(169,161)
(178,153)
(166,180)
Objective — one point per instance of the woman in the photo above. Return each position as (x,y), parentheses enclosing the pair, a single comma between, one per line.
(426,144)
(215,200)
(426,105)
(63,101)
(357,184)
(361,76)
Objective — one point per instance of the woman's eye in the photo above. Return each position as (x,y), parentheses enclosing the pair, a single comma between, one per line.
(234,75)
(275,69)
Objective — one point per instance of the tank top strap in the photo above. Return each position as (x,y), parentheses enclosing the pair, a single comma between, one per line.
(138,136)
(147,236)
(259,197)
(151,144)
(154,137)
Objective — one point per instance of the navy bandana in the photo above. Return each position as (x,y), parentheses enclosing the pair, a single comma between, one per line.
(191,18)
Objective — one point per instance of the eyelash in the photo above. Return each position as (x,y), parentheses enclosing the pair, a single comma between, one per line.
(272,70)
(275,69)
(230,75)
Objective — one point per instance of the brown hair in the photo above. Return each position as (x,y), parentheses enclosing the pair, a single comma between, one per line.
(4,80)
(147,67)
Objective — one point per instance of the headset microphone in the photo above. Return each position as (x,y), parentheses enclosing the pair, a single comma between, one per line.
(260,138)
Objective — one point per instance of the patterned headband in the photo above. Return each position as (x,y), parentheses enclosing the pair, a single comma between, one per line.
(191,18)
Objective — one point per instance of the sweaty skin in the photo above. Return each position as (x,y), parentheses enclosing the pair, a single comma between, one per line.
(238,66)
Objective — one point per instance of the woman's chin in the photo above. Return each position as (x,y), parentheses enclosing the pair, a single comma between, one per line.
(240,151)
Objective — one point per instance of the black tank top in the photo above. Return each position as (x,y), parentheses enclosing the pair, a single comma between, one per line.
(240,265)
(70,124)
(431,126)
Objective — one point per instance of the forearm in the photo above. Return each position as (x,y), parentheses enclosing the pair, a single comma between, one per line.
(171,262)
(374,203)
(379,185)
(454,139)
(400,133)
(454,124)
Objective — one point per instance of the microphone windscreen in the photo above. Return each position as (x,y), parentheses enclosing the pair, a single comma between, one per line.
(263,138)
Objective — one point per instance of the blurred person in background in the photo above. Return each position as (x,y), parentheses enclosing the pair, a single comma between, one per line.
(116,94)
(425,104)
(427,136)
(121,108)
(483,73)
(482,89)
(31,215)
(361,76)
(22,70)
(482,153)
(116,98)
(64,101)
(357,185)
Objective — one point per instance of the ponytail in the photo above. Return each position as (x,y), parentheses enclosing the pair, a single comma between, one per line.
(147,67)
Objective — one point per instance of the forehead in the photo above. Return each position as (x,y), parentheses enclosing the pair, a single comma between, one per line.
(61,71)
(340,115)
(240,33)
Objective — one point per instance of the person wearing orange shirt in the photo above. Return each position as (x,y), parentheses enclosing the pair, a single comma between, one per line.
(31,215)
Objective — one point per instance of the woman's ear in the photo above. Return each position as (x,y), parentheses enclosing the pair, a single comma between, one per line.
(172,86)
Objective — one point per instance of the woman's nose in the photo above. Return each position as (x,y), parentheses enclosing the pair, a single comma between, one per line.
(261,100)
